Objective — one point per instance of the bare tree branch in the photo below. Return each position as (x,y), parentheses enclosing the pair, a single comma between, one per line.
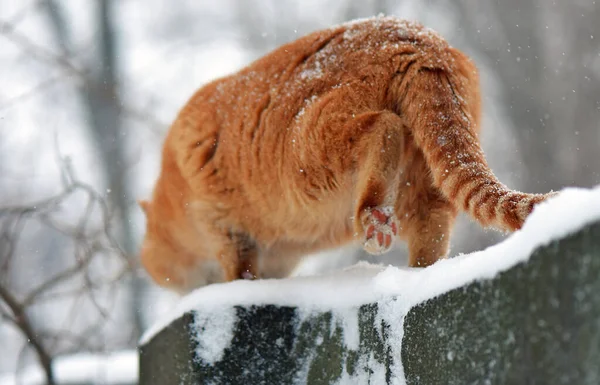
(20,319)
(90,243)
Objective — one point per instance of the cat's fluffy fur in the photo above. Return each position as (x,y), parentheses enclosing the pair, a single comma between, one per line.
(358,133)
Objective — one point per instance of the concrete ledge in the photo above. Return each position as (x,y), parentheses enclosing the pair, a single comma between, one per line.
(536,322)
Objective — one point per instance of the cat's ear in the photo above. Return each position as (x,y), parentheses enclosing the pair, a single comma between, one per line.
(144,205)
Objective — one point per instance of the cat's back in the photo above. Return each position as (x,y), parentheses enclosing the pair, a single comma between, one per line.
(240,130)
(285,78)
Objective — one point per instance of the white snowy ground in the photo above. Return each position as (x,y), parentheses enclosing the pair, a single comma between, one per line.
(115,368)
(340,291)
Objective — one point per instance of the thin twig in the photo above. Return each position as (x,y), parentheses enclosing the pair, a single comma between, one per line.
(21,320)
(54,281)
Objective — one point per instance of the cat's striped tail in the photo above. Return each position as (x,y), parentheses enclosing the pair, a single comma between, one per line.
(436,105)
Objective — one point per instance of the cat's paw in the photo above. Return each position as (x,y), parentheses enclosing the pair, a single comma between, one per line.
(381,226)
(247,275)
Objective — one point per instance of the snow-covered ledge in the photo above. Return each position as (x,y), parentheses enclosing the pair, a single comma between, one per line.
(526,309)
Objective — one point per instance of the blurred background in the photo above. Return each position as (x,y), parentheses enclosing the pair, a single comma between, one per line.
(88,89)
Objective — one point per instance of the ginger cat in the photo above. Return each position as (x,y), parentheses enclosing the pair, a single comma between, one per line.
(363,132)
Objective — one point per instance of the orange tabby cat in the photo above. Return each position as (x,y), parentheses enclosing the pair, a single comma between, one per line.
(363,132)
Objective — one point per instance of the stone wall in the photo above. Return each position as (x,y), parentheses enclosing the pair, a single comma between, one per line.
(537,323)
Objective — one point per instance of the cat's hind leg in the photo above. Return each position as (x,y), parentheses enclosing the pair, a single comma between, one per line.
(379,152)
(426,216)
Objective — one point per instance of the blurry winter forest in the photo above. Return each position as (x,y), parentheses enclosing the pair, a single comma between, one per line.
(89,89)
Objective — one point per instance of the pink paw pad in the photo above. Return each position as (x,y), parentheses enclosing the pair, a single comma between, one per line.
(381,227)
(247,275)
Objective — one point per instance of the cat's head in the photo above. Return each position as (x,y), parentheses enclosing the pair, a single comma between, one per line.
(170,252)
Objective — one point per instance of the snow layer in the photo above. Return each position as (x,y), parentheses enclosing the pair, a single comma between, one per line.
(395,289)
(114,368)
(570,211)
(215,331)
